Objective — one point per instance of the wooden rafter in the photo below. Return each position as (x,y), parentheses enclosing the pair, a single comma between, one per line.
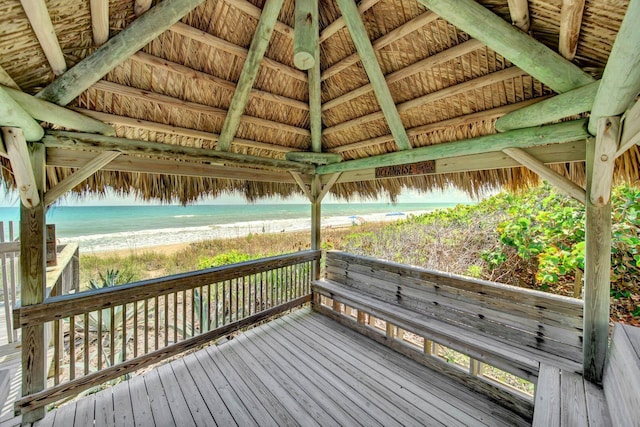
(13,115)
(570,103)
(100,21)
(141,6)
(23,173)
(179,131)
(470,85)
(115,51)
(519,11)
(79,176)
(420,66)
(61,139)
(491,114)
(40,21)
(168,101)
(564,184)
(521,138)
(190,73)
(57,115)
(530,55)
(570,24)
(258,47)
(306,29)
(255,12)
(6,80)
(630,129)
(339,23)
(391,37)
(239,51)
(167,166)
(621,79)
(548,154)
(372,67)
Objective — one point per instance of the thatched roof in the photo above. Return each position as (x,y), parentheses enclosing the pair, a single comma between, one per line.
(179,87)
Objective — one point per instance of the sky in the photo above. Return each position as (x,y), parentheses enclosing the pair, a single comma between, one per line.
(408,196)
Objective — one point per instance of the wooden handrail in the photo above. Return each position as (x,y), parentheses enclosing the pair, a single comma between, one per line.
(59,307)
(65,257)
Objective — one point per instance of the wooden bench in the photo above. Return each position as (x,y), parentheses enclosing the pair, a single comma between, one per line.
(566,399)
(513,329)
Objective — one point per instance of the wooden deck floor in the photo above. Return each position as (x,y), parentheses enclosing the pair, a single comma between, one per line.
(302,369)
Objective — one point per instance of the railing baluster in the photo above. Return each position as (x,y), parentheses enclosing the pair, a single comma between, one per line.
(184,315)
(146,325)
(135,329)
(112,337)
(175,317)
(217,303)
(156,320)
(72,347)
(166,320)
(86,343)
(56,352)
(100,339)
(124,332)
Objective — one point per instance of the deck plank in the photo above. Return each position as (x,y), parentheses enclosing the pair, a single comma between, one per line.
(122,408)
(85,411)
(140,402)
(65,415)
(104,409)
(443,388)
(197,405)
(158,400)
(177,403)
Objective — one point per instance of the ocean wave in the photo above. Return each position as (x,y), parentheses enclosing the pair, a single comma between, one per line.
(184,216)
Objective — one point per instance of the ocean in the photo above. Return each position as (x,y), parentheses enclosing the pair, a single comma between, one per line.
(103,228)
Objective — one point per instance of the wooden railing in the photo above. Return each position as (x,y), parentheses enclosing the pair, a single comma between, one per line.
(10,272)
(114,331)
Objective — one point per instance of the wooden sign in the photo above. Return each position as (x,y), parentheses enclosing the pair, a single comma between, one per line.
(420,168)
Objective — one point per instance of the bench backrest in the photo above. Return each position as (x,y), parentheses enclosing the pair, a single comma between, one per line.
(621,379)
(547,322)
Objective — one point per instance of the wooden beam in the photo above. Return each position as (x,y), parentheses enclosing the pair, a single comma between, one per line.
(391,37)
(313,157)
(597,269)
(339,23)
(492,114)
(570,103)
(239,51)
(521,138)
(166,166)
(79,176)
(372,67)
(115,51)
(470,85)
(190,73)
(20,159)
(630,129)
(604,160)
(564,184)
(530,55)
(249,72)
(570,24)
(168,101)
(621,78)
(33,282)
(41,25)
(179,131)
(315,103)
(141,6)
(57,115)
(519,11)
(100,21)
(13,115)
(303,186)
(316,223)
(327,185)
(548,154)
(6,80)
(420,66)
(305,38)
(255,12)
(60,139)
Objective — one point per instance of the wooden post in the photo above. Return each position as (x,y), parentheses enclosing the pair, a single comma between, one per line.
(597,280)
(316,188)
(305,36)
(33,274)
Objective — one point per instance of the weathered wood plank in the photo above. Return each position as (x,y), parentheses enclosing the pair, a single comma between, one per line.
(630,129)
(367,55)
(175,399)
(158,399)
(142,413)
(195,401)
(41,25)
(85,411)
(29,189)
(122,407)
(524,51)
(621,380)
(521,138)
(249,72)
(548,400)
(604,160)
(104,409)
(573,404)
(597,408)
(115,51)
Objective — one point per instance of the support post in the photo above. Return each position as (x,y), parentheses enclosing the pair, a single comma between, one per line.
(316,189)
(597,279)
(305,36)
(33,274)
